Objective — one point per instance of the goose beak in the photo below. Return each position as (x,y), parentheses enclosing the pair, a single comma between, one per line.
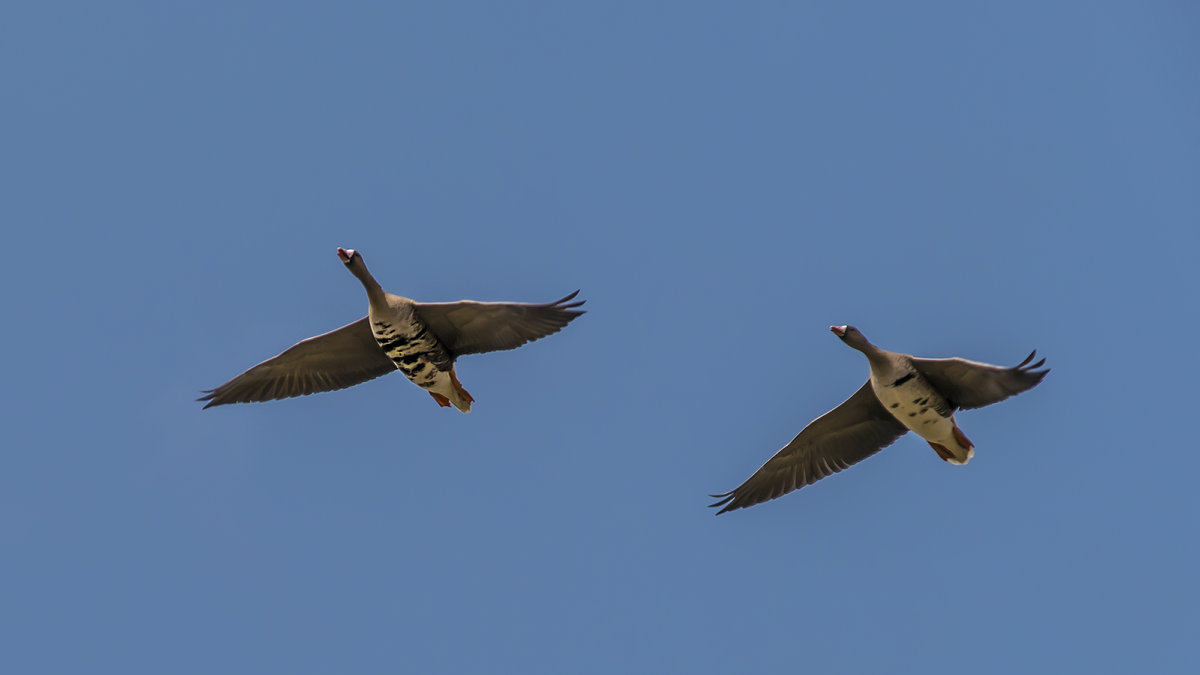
(345,255)
(839,331)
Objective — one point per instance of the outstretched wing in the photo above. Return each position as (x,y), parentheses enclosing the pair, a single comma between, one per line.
(336,360)
(968,384)
(846,435)
(469,327)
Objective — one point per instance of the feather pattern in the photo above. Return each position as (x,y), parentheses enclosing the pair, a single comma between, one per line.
(470,327)
(846,435)
(970,384)
(335,360)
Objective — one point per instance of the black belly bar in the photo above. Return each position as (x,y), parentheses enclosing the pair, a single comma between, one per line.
(419,366)
(416,355)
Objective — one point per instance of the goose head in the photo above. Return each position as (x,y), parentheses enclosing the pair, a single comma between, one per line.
(354,262)
(851,336)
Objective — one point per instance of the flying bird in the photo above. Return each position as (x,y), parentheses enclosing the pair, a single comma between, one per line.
(420,339)
(904,394)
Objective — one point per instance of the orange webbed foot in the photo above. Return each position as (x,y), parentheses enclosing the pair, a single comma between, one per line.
(962,438)
(942,451)
(459,388)
(441,400)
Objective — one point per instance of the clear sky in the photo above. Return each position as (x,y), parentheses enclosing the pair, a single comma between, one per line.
(723,181)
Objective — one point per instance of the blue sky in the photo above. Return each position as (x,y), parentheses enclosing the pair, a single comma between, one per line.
(723,181)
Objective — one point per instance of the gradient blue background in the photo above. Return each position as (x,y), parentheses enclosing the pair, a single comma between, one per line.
(723,181)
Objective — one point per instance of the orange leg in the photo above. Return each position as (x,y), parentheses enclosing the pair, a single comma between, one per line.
(459,388)
(942,451)
(962,438)
(441,400)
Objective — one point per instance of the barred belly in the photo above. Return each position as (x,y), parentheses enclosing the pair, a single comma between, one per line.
(414,350)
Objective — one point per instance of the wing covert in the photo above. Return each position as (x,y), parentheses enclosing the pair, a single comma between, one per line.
(335,360)
(853,431)
(970,384)
(470,327)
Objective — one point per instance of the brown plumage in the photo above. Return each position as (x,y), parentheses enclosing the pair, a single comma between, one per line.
(904,393)
(357,352)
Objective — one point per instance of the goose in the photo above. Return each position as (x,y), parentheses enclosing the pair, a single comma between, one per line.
(420,339)
(903,394)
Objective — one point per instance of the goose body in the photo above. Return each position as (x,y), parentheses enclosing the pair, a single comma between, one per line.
(407,341)
(421,340)
(909,397)
(903,394)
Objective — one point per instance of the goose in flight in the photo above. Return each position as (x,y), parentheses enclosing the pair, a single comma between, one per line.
(420,339)
(903,394)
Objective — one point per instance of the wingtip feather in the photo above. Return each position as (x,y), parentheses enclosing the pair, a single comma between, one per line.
(562,303)
(726,500)
(210,395)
